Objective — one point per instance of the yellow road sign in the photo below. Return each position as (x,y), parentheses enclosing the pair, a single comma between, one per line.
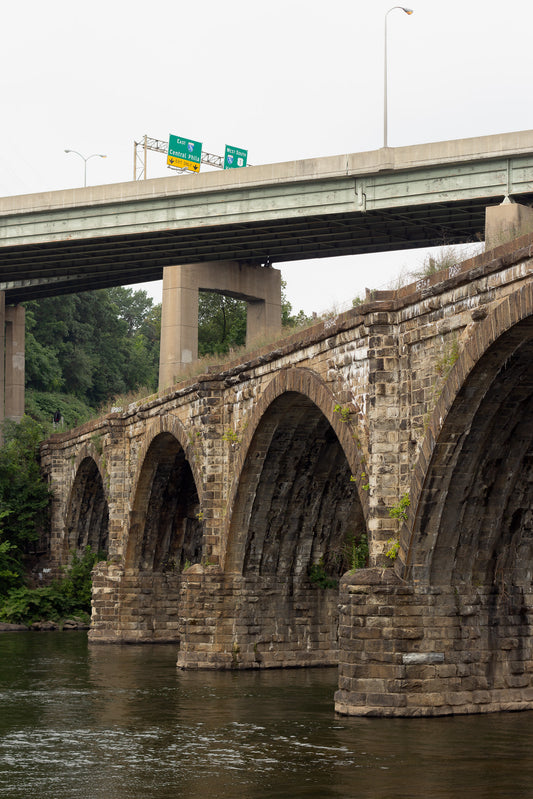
(181,163)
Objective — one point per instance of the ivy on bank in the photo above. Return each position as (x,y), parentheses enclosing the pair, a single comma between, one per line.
(63,599)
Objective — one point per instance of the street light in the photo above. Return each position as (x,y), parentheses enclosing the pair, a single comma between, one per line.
(94,155)
(408,11)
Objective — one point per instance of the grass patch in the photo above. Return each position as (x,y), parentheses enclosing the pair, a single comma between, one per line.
(42,405)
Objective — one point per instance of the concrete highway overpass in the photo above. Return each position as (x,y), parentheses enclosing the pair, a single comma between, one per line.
(389,199)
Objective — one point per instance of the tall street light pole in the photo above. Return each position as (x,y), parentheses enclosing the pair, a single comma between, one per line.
(94,155)
(408,11)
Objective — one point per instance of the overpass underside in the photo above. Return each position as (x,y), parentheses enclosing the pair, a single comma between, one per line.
(122,260)
(389,199)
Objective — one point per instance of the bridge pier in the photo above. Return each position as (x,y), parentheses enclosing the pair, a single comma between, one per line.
(259,286)
(12,362)
(233,621)
(408,650)
(506,222)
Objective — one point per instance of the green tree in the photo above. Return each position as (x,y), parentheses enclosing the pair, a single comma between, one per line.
(93,345)
(11,571)
(42,367)
(221,323)
(141,365)
(132,306)
(24,498)
(96,345)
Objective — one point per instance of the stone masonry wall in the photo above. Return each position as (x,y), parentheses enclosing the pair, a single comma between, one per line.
(135,607)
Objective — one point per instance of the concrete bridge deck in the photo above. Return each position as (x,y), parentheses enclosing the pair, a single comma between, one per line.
(388,199)
(227,504)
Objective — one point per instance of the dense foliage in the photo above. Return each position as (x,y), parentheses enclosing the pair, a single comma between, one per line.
(84,349)
(222,321)
(89,347)
(24,503)
(66,598)
(24,499)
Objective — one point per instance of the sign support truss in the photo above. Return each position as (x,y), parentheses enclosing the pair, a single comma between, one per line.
(140,151)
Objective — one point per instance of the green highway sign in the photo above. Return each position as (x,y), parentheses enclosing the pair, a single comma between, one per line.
(234,157)
(184,153)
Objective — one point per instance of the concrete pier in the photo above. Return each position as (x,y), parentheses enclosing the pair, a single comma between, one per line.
(259,286)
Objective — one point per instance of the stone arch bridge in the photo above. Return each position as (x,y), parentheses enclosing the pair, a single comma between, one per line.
(232,506)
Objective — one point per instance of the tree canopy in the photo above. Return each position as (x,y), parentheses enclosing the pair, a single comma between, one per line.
(24,498)
(221,323)
(92,346)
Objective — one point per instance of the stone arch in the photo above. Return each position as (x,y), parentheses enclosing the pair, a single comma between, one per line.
(470,520)
(87,517)
(167,423)
(166,529)
(296,497)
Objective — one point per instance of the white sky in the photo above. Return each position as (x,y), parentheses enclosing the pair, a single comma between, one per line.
(284,79)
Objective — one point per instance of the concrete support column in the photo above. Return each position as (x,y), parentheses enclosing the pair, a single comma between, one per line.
(14,362)
(262,318)
(259,286)
(179,323)
(506,222)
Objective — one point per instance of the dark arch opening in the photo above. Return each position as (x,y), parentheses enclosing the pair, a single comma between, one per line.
(166,525)
(88,522)
(474,522)
(296,520)
(486,527)
(297,498)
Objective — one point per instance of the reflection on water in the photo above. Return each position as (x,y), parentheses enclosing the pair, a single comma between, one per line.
(122,723)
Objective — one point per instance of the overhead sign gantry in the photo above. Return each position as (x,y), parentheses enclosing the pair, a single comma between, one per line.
(182,155)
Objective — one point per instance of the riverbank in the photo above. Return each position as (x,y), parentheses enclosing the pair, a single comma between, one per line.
(45,626)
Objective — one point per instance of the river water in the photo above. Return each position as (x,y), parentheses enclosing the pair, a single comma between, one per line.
(80,721)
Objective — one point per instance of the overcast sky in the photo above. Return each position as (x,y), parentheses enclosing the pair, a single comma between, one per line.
(284,79)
